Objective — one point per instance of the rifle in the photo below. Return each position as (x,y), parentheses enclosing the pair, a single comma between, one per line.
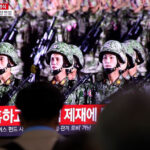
(72,89)
(134,30)
(43,46)
(91,37)
(10,35)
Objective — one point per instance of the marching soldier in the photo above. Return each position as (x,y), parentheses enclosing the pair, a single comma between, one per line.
(64,69)
(129,69)
(84,91)
(135,58)
(8,60)
(60,59)
(111,55)
(78,63)
(140,56)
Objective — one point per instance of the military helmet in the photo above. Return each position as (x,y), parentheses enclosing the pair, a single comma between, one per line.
(9,50)
(131,55)
(61,48)
(137,47)
(77,54)
(113,47)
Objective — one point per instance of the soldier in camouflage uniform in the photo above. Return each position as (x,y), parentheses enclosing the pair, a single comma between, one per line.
(78,62)
(111,55)
(140,56)
(8,60)
(129,62)
(132,62)
(65,74)
(84,91)
(60,59)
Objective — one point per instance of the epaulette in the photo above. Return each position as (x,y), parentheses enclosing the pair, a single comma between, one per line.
(118,82)
(8,82)
(63,82)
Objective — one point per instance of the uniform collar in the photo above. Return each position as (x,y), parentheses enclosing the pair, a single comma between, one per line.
(117,82)
(62,83)
(8,81)
(135,75)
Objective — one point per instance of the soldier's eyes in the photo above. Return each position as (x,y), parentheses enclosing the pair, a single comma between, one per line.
(111,57)
(1,59)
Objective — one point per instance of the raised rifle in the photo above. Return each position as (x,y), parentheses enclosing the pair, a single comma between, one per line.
(133,33)
(92,36)
(72,89)
(43,46)
(10,35)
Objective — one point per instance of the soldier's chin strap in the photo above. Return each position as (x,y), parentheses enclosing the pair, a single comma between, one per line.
(2,71)
(122,71)
(109,70)
(68,70)
(55,72)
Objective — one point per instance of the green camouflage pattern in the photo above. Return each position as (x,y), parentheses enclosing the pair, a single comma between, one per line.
(129,52)
(92,64)
(9,50)
(137,47)
(104,89)
(78,54)
(114,47)
(5,88)
(62,48)
(82,95)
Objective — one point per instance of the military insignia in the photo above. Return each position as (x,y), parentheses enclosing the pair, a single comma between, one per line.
(8,82)
(118,82)
(55,46)
(62,82)
(135,75)
(53,82)
(90,93)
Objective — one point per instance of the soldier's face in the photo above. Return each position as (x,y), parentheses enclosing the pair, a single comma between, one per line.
(56,61)
(3,61)
(109,61)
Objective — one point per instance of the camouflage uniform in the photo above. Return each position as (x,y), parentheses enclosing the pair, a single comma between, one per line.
(8,50)
(63,49)
(123,18)
(77,96)
(83,93)
(137,81)
(103,88)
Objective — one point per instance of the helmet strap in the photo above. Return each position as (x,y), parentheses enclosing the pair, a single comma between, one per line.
(122,71)
(55,72)
(9,65)
(109,70)
(2,71)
